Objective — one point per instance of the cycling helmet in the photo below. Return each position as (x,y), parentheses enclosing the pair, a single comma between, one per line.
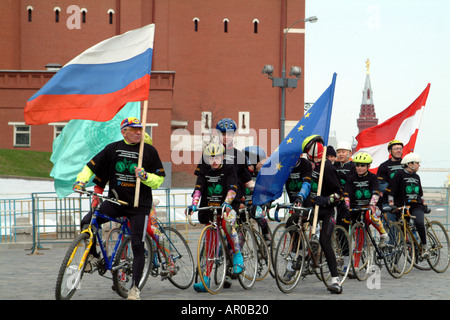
(393,143)
(226,124)
(214,150)
(411,157)
(313,146)
(344,145)
(363,157)
(254,154)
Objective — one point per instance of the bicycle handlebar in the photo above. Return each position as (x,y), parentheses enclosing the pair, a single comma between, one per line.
(289,206)
(103,197)
(200,209)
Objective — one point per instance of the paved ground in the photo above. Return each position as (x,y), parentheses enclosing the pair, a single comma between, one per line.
(33,277)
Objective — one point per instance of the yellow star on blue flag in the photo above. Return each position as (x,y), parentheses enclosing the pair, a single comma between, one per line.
(276,170)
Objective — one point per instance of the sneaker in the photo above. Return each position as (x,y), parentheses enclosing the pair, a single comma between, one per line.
(384,238)
(425,253)
(238,263)
(199,287)
(91,263)
(134,293)
(170,270)
(287,276)
(335,288)
(227,284)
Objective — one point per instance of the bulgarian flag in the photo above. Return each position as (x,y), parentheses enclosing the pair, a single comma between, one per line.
(403,127)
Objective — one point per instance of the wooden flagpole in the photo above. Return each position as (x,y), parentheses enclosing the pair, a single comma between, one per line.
(319,189)
(141,152)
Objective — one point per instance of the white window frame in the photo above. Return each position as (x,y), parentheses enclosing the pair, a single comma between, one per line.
(20,124)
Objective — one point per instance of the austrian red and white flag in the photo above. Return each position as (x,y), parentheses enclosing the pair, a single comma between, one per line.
(403,127)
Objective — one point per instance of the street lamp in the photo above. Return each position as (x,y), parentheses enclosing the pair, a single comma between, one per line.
(284,82)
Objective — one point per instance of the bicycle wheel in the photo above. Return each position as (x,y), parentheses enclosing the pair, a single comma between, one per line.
(123,266)
(249,251)
(264,260)
(211,259)
(182,258)
(410,247)
(276,235)
(111,240)
(361,252)
(395,254)
(342,246)
(72,268)
(289,259)
(438,246)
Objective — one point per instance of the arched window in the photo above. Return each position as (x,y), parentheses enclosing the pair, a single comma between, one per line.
(30,13)
(83,15)
(255,25)
(57,11)
(110,14)
(225,25)
(196,21)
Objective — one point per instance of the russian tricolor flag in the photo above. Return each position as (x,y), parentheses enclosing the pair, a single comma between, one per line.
(99,82)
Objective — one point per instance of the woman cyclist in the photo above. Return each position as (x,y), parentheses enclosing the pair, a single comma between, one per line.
(362,190)
(216,186)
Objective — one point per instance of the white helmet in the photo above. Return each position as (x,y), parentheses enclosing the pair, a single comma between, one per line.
(411,157)
(344,145)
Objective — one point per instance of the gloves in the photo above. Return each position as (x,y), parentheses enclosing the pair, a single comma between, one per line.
(322,201)
(79,186)
(298,201)
(141,174)
(190,210)
(95,200)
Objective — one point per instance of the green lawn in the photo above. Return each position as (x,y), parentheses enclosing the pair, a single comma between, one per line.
(25,163)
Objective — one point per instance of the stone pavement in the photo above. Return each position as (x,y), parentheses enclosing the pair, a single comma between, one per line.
(33,277)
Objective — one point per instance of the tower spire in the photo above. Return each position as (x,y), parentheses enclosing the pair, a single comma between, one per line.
(367,117)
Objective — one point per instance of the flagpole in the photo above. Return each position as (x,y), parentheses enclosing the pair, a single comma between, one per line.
(141,151)
(319,189)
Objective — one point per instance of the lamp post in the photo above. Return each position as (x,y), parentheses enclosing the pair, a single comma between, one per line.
(284,82)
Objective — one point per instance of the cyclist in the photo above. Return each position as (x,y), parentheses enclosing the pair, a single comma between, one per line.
(405,188)
(388,169)
(344,165)
(362,190)
(217,186)
(255,156)
(331,194)
(117,163)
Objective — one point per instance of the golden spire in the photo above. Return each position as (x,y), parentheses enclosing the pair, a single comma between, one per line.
(367,65)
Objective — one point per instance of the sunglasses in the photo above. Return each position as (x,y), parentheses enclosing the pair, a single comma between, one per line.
(361,165)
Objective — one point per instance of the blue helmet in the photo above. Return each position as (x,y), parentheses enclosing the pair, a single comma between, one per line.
(254,154)
(226,124)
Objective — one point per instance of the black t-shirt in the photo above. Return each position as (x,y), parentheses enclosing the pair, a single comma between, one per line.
(215,184)
(406,189)
(300,173)
(386,171)
(116,164)
(359,189)
(234,157)
(330,182)
(344,170)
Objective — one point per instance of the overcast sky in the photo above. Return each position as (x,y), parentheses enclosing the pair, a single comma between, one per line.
(408,45)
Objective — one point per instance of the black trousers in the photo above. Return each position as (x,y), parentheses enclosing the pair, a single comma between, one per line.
(138,226)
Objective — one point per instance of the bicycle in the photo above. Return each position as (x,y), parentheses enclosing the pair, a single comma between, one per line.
(438,241)
(171,256)
(214,259)
(264,258)
(119,262)
(298,255)
(394,254)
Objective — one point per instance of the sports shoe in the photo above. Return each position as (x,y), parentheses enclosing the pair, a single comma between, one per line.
(384,238)
(134,293)
(287,276)
(199,287)
(238,263)
(425,253)
(335,288)
(91,263)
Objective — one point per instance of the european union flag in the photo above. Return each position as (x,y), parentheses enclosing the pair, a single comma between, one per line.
(274,173)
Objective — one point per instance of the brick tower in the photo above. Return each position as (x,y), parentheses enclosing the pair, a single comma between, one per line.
(367,117)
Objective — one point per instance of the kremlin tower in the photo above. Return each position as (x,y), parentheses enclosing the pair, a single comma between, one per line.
(367,117)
